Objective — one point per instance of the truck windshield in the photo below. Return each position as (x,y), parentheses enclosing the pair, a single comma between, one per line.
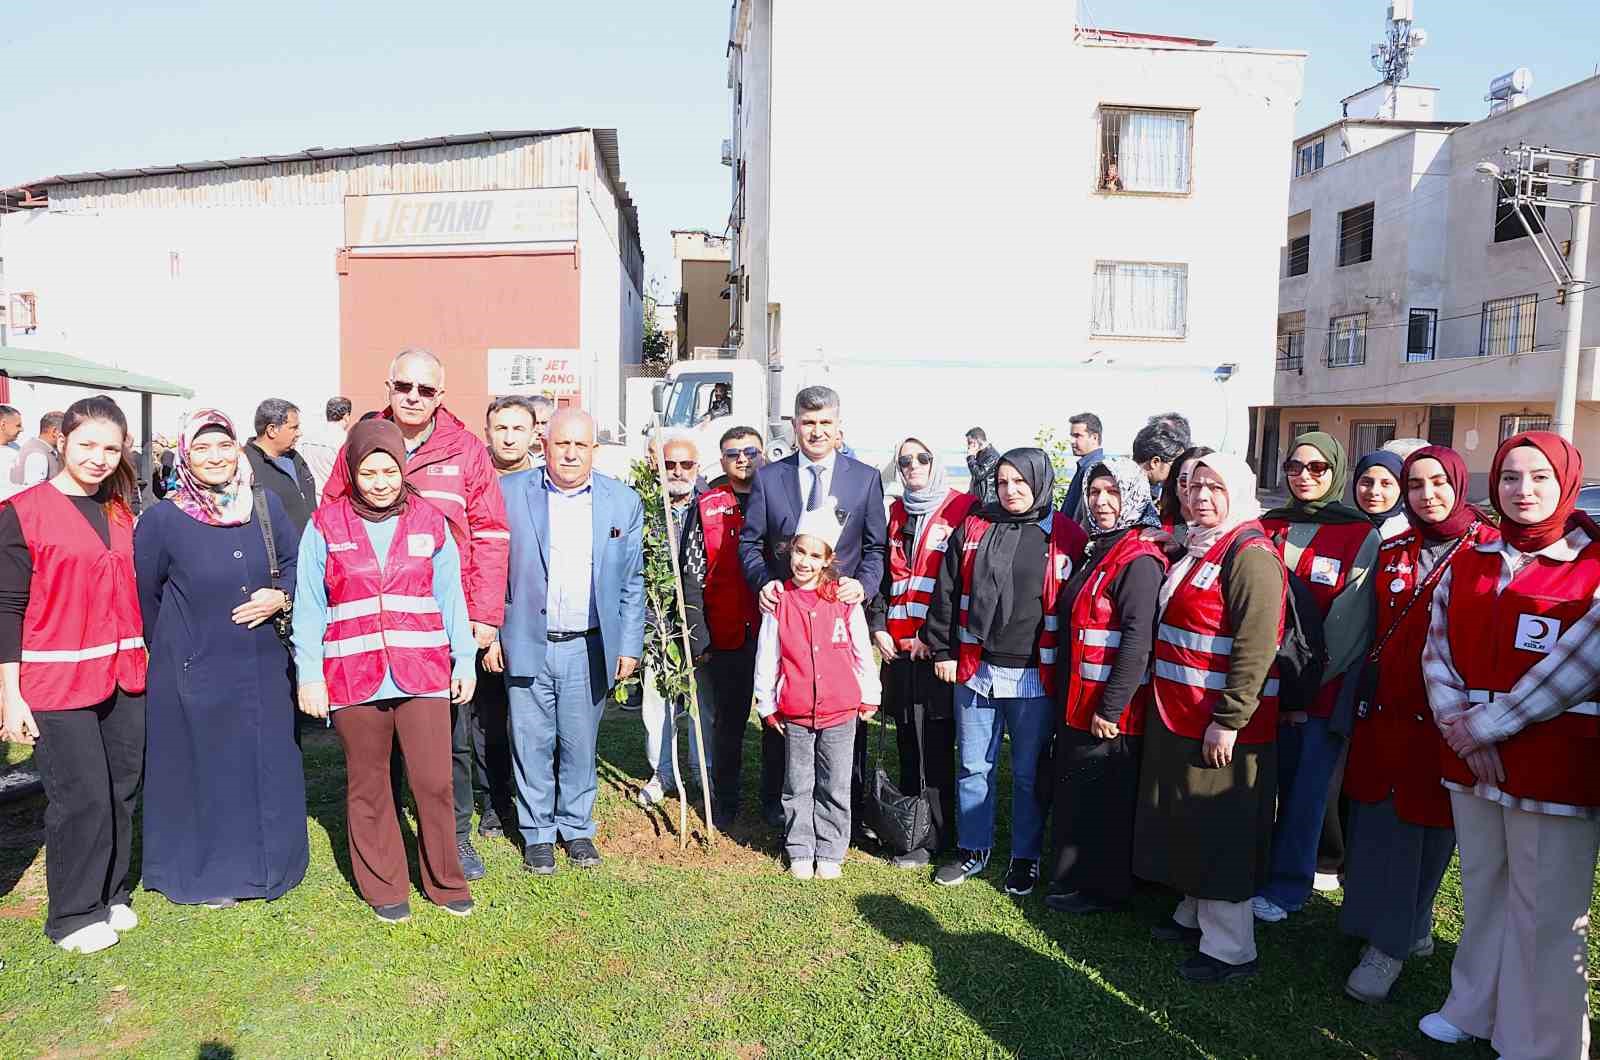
(699,397)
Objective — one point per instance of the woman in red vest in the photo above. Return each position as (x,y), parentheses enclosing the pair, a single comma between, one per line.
(390,639)
(1331,548)
(1174,507)
(1510,667)
(921,522)
(72,663)
(1400,835)
(1206,785)
(1108,610)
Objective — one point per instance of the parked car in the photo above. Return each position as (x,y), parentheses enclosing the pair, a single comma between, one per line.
(1589,500)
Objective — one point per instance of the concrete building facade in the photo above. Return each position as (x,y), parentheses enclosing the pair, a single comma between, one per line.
(703,289)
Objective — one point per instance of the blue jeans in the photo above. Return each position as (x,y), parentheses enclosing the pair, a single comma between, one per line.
(555,712)
(1307,755)
(980,723)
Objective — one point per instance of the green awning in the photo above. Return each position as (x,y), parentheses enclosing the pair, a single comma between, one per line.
(43,366)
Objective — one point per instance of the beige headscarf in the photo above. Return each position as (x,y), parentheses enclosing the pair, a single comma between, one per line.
(1242,508)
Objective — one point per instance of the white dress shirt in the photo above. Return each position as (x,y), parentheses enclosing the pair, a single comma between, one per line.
(569,603)
(825,483)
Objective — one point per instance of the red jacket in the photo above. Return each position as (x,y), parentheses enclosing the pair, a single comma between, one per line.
(817,684)
(82,637)
(1489,632)
(1193,645)
(732,612)
(453,470)
(1096,636)
(912,577)
(1395,747)
(382,619)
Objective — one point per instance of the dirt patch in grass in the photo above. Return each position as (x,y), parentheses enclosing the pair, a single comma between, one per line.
(24,910)
(651,836)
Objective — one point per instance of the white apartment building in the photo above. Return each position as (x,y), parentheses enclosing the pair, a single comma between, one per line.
(1412,303)
(1015,217)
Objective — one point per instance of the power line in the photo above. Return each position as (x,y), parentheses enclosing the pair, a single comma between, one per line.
(1470,314)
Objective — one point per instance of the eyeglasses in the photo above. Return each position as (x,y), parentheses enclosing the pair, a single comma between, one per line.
(921,458)
(423,390)
(673,465)
(1318,468)
(749,452)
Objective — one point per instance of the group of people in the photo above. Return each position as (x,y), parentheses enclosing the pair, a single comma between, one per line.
(1241,705)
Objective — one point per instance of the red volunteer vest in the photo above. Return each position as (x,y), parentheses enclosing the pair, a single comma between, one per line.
(1395,747)
(1194,642)
(1324,566)
(383,620)
(1066,540)
(82,634)
(732,613)
(911,577)
(1097,636)
(817,684)
(1496,637)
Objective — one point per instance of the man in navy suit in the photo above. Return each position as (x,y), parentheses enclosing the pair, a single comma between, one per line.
(807,479)
(574,627)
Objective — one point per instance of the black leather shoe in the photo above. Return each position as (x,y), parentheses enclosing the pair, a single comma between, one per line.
(471,863)
(1171,931)
(540,859)
(1077,903)
(489,826)
(1202,968)
(582,853)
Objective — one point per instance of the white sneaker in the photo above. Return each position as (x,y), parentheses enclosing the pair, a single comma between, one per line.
(829,870)
(1440,1029)
(1326,882)
(1373,978)
(1267,911)
(90,939)
(801,870)
(122,918)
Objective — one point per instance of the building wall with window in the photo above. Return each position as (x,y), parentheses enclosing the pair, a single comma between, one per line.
(1456,319)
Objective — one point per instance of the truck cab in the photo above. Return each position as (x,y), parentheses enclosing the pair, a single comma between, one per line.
(703,397)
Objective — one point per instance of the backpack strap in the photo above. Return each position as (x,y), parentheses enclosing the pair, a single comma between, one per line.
(1233,550)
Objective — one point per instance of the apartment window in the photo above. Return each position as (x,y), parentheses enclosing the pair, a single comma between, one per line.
(1309,159)
(1422,335)
(1508,325)
(1520,422)
(1299,255)
(1507,225)
(1370,437)
(1355,235)
(1292,351)
(1347,341)
(1298,429)
(1140,299)
(1145,150)
(1442,425)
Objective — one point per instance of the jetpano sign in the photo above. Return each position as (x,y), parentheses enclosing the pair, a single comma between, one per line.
(457,218)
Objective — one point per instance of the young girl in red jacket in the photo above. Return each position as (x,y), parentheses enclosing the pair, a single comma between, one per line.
(815,676)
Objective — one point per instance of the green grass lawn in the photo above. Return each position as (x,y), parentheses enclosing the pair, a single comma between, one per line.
(659,953)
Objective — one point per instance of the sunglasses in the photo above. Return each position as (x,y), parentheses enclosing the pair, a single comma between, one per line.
(423,390)
(921,458)
(673,465)
(749,452)
(1318,468)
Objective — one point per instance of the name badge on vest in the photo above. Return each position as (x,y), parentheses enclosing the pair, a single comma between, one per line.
(443,469)
(1206,576)
(938,538)
(342,546)
(419,545)
(1535,633)
(1063,568)
(1325,570)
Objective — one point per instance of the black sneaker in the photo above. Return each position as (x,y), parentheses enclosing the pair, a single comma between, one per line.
(459,907)
(471,864)
(1021,876)
(1077,903)
(489,826)
(1170,930)
(967,863)
(917,859)
(540,859)
(1202,968)
(398,913)
(582,853)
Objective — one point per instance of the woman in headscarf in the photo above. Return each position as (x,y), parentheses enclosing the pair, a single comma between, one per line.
(224,793)
(382,640)
(1331,548)
(921,523)
(993,631)
(1107,612)
(1208,781)
(1509,667)
(1174,507)
(1380,494)
(1400,834)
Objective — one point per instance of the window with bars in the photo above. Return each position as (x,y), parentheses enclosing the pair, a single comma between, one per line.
(1372,436)
(1355,234)
(1308,159)
(1145,150)
(1507,325)
(1442,425)
(1422,334)
(1292,351)
(1299,255)
(1347,341)
(1517,423)
(1143,299)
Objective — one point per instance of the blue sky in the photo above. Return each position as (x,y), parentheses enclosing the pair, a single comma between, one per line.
(97,85)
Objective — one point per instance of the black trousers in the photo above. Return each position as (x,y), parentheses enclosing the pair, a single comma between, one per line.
(1096,786)
(92,762)
(491,747)
(733,678)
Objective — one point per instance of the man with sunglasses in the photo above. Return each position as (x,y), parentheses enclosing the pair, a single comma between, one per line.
(453,471)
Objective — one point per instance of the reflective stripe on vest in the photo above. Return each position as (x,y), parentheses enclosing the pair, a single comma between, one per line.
(912,579)
(408,605)
(1479,695)
(99,651)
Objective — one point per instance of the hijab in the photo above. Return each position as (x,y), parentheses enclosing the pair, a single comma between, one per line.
(1391,463)
(1134,486)
(229,504)
(1243,507)
(1568,464)
(1461,516)
(1328,508)
(924,501)
(990,606)
(376,436)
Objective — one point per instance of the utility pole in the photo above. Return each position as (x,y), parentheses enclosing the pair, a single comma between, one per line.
(1565,420)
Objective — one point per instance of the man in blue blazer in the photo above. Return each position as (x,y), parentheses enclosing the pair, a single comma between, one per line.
(801,481)
(574,627)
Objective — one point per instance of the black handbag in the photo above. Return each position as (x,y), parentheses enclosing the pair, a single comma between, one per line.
(903,822)
(282,621)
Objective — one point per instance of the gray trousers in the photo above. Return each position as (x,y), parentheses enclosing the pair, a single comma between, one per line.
(1392,872)
(816,791)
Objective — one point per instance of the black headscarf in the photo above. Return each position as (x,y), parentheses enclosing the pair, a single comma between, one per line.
(376,436)
(990,606)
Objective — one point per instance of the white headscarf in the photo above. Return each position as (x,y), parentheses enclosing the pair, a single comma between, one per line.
(926,500)
(1242,508)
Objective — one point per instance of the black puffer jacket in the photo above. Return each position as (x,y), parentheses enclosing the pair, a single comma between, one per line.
(982,465)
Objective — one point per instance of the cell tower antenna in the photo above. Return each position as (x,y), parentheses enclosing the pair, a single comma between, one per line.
(1392,57)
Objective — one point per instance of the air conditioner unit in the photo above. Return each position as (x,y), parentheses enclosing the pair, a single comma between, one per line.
(727,152)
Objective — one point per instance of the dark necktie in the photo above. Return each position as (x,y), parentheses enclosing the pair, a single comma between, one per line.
(814,498)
